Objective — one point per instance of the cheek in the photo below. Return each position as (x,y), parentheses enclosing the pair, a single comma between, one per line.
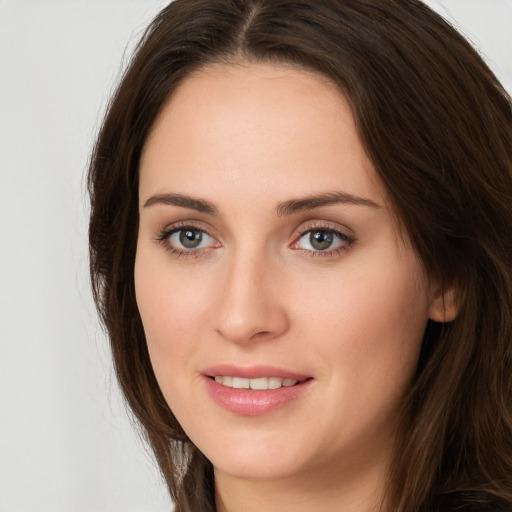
(370,318)
(390,304)
(171,308)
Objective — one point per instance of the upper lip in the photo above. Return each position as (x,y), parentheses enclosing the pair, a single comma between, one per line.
(253,372)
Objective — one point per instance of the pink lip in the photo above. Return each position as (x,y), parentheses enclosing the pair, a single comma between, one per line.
(248,402)
(252,372)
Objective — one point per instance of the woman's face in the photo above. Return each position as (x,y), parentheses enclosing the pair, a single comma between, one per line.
(268,257)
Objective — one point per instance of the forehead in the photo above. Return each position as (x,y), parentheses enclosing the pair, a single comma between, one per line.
(263,126)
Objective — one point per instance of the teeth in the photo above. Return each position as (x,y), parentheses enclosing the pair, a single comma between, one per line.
(227,381)
(239,383)
(261,383)
(274,383)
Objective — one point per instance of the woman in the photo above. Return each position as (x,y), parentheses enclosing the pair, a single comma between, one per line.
(300,248)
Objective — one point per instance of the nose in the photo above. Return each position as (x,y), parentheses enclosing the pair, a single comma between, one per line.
(251,303)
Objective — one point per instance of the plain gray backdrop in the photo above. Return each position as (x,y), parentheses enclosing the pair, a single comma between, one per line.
(66,442)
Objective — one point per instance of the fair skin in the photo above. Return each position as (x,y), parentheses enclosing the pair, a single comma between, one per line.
(232,269)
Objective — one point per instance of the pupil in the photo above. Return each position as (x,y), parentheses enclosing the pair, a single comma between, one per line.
(321,240)
(190,238)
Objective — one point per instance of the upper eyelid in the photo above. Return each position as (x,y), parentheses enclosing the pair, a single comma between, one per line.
(194,224)
(325,225)
(347,239)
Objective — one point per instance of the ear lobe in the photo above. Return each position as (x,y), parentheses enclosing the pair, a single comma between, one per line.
(445,304)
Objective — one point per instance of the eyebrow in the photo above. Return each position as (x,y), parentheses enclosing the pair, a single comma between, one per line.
(283,209)
(316,201)
(184,201)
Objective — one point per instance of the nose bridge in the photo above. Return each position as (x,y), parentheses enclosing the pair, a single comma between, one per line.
(250,305)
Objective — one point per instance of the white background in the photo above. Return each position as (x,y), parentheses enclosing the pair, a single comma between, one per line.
(66,443)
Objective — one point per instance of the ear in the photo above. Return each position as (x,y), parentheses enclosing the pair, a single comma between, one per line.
(445,303)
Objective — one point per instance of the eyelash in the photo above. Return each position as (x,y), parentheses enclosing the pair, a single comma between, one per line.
(327,228)
(164,237)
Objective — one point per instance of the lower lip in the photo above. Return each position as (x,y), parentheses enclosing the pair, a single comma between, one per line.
(247,402)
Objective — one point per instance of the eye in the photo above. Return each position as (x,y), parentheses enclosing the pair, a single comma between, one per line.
(187,240)
(190,238)
(323,240)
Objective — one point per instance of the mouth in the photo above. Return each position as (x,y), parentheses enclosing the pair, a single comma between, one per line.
(255,390)
(256,384)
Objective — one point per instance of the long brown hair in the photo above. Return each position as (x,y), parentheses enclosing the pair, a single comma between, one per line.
(437,125)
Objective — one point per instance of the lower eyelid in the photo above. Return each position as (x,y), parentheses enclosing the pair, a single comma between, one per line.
(324,254)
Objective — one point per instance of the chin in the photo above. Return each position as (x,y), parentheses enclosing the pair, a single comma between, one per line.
(257,461)
(267,469)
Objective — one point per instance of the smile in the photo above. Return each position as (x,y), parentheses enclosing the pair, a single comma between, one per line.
(259,384)
(255,391)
